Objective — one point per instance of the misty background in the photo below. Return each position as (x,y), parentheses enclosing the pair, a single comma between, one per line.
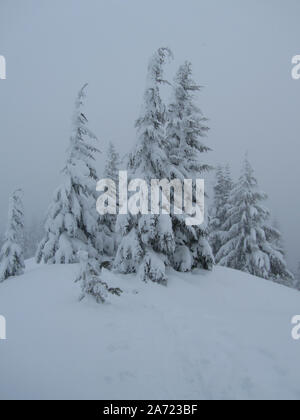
(241,52)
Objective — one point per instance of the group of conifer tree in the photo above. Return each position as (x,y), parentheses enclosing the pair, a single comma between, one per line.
(242,236)
(170,145)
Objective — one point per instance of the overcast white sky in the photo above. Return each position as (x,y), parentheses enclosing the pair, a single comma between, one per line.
(241,52)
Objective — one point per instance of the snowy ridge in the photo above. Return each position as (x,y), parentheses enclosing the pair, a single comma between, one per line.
(208,335)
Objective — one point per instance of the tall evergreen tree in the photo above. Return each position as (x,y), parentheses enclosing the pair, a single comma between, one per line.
(247,235)
(147,240)
(107,222)
(186,130)
(72,218)
(222,189)
(11,255)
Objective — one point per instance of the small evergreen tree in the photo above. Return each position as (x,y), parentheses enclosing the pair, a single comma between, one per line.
(186,129)
(278,266)
(112,166)
(72,218)
(222,189)
(90,279)
(147,240)
(248,237)
(11,255)
(107,222)
(278,272)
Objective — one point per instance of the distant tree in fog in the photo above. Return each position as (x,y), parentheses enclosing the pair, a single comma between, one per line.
(250,242)
(11,255)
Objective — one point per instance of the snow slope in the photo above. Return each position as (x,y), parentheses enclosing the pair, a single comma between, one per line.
(219,335)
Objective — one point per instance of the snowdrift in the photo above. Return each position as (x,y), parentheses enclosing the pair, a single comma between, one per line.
(219,335)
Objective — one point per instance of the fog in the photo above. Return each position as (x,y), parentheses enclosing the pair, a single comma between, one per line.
(241,53)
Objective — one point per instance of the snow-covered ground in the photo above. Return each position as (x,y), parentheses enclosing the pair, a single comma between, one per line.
(214,335)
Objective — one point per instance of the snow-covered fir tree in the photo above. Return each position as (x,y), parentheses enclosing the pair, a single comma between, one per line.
(147,242)
(90,280)
(278,268)
(222,189)
(107,222)
(248,237)
(112,165)
(11,255)
(72,218)
(186,130)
